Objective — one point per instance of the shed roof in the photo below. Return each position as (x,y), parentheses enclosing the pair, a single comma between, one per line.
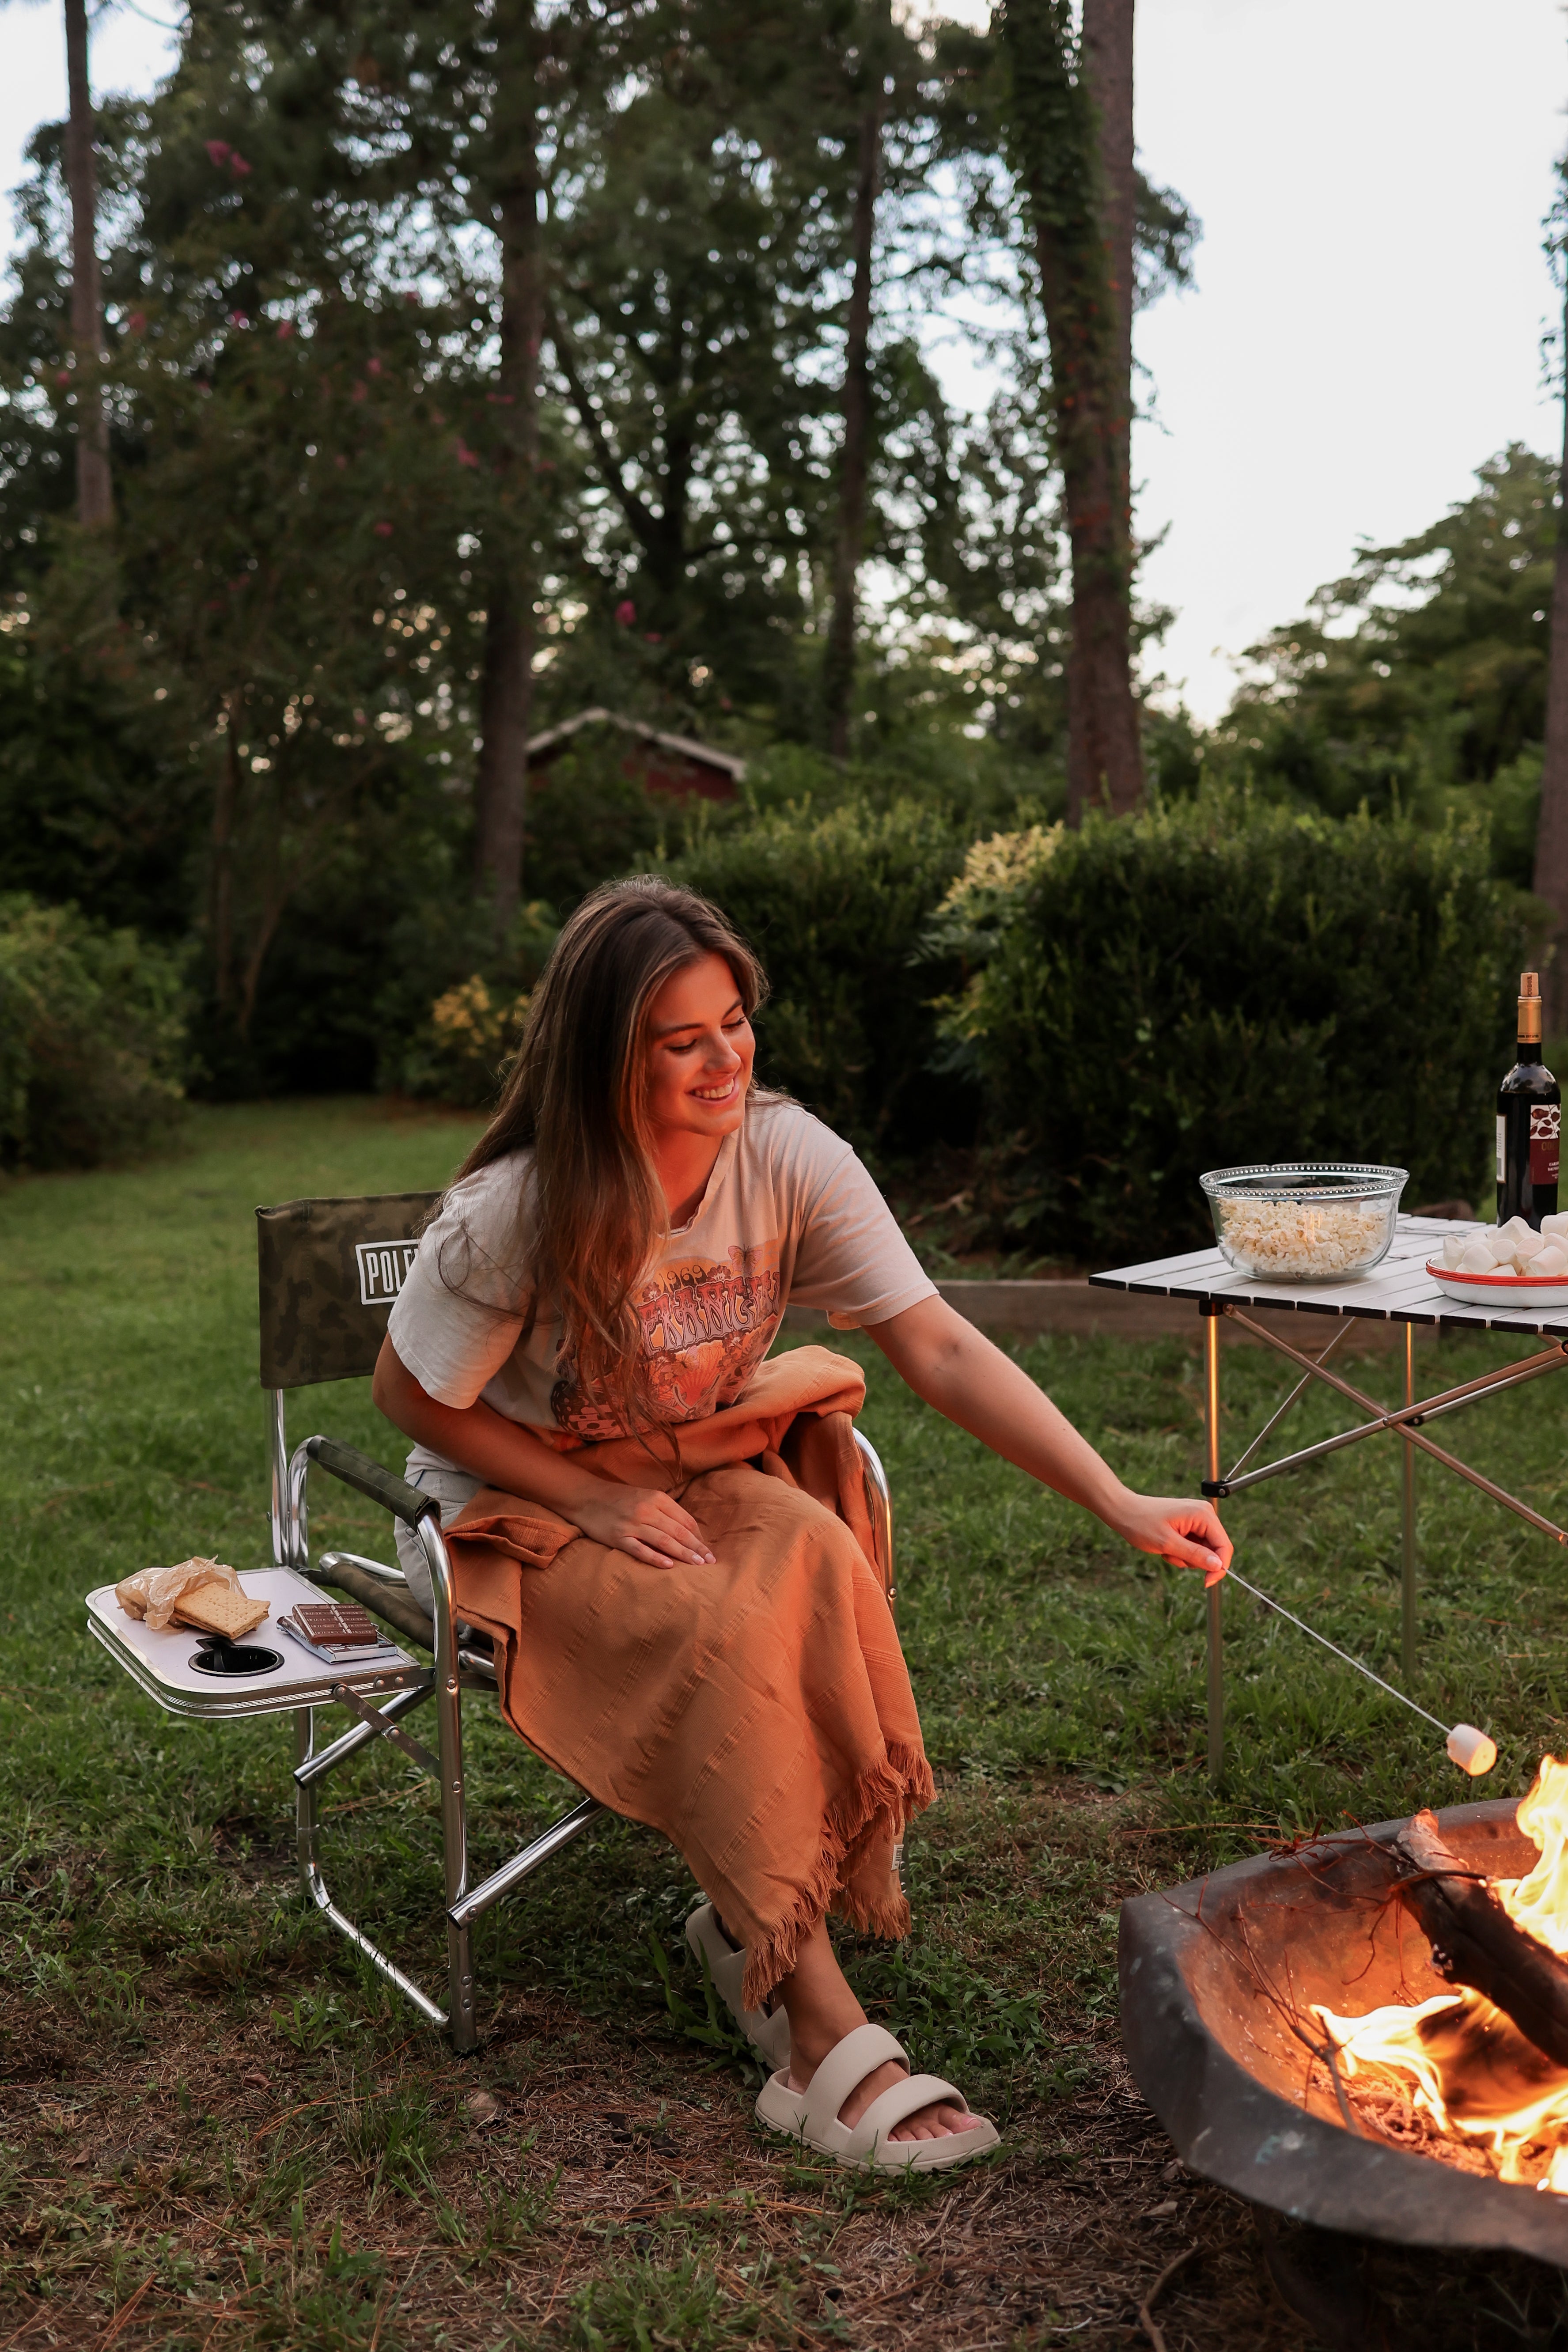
(555,738)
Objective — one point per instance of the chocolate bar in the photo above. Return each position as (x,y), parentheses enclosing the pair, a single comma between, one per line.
(337,1624)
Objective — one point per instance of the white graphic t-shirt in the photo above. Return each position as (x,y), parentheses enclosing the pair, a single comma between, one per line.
(790,1215)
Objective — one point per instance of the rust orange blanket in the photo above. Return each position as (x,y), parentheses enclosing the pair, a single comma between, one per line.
(758,1712)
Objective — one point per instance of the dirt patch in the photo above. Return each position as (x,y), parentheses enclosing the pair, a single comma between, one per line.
(571,2184)
(226,2187)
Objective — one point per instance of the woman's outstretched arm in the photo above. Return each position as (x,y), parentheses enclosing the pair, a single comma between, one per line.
(955,1368)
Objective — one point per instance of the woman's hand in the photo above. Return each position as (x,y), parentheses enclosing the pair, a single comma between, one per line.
(647,1527)
(1189,1535)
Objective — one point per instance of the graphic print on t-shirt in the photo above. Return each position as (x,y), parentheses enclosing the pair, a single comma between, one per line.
(705,1330)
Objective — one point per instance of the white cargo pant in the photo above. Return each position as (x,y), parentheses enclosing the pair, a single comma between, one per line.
(450,1490)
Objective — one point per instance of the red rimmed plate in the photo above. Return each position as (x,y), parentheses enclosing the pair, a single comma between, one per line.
(1499,1289)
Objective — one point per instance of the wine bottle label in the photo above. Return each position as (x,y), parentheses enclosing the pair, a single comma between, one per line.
(1545,1141)
(1501,1147)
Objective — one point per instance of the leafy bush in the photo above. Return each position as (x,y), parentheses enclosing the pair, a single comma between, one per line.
(835,906)
(96,806)
(977,785)
(93,1054)
(380,923)
(1216,981)
(461,1054)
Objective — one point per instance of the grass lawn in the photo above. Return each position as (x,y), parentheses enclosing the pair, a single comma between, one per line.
(219,2131)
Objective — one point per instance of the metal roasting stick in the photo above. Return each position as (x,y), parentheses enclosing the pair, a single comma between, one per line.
(1464,1744)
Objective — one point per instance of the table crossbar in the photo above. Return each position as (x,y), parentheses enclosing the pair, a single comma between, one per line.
(1399,1290)
(1406,1418)
(1276,1417)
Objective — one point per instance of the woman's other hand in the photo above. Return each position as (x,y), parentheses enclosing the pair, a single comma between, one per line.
(647,1527)
(1189,1535)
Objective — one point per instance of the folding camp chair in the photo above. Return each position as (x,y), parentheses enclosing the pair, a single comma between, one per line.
(329,1271)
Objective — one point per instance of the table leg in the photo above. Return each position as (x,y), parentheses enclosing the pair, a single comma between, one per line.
(1407,1572)
(1211,1315)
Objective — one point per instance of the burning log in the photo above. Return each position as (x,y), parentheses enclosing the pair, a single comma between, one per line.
(1475,1943)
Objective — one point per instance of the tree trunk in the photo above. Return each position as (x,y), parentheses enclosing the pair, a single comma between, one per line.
(94,497)
(839,662)
(500,783)
(1105,754)
(1072,138)
(1108,64)
(220,887)
(1105,757)
(1551,879)
(506,694)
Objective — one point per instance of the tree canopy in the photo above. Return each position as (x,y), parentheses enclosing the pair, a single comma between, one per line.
(1418,682)
(465,366)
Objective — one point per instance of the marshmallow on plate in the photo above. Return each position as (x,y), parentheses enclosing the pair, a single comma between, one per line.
(1512,1249)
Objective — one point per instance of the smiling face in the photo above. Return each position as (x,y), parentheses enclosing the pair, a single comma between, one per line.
(700,1053)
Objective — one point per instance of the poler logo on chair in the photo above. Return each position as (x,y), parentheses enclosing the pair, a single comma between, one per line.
(1545,1141)
(383,1270)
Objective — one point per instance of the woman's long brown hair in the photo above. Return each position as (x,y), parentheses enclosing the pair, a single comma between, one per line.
(594,1211)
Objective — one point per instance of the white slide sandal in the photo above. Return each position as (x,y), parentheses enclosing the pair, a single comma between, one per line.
(812,2114)
(727,1966)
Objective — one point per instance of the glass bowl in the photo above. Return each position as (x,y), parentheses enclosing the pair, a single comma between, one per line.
(1304,1221)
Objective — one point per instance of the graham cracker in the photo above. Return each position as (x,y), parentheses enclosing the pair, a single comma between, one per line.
(217,1608)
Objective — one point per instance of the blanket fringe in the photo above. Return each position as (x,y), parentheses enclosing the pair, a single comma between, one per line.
(880,1805)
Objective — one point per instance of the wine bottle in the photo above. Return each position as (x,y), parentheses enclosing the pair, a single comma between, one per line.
(1528,1121)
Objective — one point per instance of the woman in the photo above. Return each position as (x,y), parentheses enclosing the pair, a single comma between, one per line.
(578,1356)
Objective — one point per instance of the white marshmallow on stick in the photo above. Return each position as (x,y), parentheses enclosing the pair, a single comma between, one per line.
(1471,1750)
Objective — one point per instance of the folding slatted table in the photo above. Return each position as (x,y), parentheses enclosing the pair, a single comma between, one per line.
(1399,1290)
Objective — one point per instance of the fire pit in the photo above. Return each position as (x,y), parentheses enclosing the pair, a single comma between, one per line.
(1284,2020)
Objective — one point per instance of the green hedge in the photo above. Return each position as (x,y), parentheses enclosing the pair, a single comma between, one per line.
(462,1053)
(836,905)
(1218,983)
(93,1054)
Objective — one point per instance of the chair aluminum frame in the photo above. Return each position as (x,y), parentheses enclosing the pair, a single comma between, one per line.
(456,1668)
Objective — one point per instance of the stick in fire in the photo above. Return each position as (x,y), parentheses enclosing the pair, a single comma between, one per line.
(1474,1941)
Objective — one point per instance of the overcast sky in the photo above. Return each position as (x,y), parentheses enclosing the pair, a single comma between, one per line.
(1365,328)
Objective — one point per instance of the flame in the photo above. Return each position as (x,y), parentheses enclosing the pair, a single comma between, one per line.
(1477,2077)
(1539,1904)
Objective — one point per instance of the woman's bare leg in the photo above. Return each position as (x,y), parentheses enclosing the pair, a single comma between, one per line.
(822,2010)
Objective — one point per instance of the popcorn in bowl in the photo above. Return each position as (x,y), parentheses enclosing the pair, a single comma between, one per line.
(1515,1248)
(1304,1221)
(1301,1238)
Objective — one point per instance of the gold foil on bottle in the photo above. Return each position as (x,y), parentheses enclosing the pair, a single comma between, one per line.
(1530,1008)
